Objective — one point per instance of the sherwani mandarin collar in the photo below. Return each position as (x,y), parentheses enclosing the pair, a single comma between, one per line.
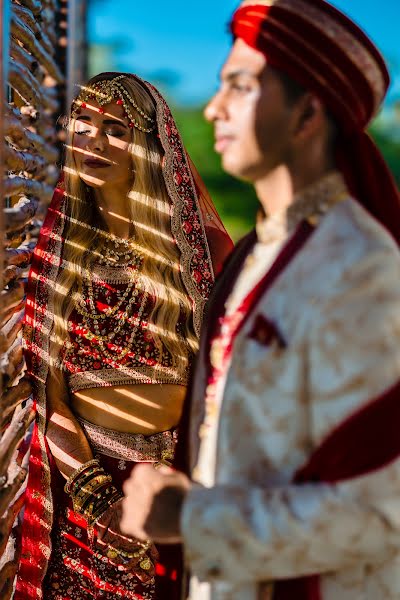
(310,204)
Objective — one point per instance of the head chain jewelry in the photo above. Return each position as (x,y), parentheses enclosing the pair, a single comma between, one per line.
(104,92)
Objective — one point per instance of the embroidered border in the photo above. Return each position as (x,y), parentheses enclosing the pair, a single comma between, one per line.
(41,339)
(186,214)
(134,447)
(123,376)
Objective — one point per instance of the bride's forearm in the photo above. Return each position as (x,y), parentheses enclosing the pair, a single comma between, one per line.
(67,441)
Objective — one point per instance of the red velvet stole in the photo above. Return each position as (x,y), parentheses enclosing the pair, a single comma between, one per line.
(285,256)
(367,441)
(202,373)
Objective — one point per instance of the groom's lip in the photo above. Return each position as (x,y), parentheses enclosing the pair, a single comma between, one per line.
(222,142)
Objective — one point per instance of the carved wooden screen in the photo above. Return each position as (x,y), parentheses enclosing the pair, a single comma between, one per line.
(39,39)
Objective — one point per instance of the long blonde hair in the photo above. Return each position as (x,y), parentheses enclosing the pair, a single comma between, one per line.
(149,209)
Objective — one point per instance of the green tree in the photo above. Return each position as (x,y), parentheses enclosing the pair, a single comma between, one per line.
(235,201)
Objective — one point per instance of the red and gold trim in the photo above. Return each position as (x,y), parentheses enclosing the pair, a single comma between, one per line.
(328,54)
(322,43)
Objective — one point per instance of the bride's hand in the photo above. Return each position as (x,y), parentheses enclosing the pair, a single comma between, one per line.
(122,551)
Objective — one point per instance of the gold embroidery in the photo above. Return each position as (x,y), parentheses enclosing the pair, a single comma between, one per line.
(134,447)
(45,550)
(186,250)
(356,51)
(124,375)
(310,205)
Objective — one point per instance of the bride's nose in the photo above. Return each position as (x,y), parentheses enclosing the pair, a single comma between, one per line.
(96,143)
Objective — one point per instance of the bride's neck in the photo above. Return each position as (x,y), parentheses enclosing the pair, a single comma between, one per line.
(113,207)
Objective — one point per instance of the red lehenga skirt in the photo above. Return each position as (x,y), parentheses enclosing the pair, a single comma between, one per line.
(76,571)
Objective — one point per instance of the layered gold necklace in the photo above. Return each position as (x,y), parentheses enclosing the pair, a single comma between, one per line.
(126,259)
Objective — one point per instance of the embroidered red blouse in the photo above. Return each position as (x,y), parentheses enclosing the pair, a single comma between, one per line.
(119,348)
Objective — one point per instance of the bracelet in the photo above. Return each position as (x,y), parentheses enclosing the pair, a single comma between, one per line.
(144,564)
(91,463)
(103,507)
(89,490)
(77,486)
(92,491)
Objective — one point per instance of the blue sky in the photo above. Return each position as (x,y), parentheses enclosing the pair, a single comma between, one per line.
(185,42)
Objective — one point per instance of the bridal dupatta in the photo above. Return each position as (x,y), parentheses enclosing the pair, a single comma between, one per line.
(203,244)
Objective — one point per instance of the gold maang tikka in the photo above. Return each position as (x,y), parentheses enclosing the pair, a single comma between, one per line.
(104,92)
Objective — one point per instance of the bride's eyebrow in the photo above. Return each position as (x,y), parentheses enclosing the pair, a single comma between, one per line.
(105,122)
(114,122)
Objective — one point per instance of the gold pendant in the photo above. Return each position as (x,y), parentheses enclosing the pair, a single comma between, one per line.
(146,564)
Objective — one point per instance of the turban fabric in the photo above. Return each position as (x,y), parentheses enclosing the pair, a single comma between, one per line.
(329,55)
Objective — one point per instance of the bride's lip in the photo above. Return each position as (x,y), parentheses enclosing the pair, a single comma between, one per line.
(93,163)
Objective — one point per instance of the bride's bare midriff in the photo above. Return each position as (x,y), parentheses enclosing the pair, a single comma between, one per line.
(141,408)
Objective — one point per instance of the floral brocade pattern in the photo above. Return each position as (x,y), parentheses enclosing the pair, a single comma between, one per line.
(147,360)
(186,220)
(336,306)
(76,571)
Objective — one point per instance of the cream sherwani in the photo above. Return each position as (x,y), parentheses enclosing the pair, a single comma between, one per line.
(337,306)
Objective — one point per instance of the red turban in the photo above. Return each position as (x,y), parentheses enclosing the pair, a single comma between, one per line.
(329,55)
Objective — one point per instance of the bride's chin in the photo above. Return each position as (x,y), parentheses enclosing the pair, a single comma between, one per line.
(90,181)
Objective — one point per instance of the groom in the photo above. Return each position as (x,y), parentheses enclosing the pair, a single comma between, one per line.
(292,488)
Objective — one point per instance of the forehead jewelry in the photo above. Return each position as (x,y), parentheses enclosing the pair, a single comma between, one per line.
(104,92)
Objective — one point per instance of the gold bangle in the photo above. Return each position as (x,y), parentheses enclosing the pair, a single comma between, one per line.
(80,481)
(86,465)
(90,489)
(94,511)
(94,484)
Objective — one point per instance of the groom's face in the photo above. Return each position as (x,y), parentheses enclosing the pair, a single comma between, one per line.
(251,115)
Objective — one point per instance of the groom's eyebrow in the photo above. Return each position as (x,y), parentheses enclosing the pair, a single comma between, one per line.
(228,76)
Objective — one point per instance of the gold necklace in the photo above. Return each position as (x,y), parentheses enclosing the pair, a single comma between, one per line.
(101,341)
(81,303)
(92,318)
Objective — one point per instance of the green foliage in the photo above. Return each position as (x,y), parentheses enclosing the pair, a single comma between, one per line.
(236,201)
(390,148)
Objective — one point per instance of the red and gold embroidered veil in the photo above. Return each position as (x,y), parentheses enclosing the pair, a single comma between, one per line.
(203,244)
